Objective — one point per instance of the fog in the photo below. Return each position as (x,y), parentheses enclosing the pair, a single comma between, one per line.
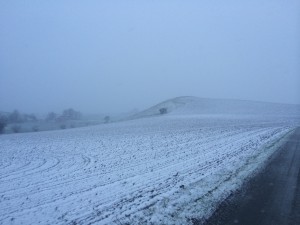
(115,56)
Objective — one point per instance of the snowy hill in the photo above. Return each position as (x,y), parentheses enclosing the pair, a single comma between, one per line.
(195,105)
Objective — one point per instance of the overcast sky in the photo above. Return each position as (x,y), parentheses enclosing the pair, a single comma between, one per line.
(114,56)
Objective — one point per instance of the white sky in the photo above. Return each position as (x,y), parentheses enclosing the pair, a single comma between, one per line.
(113,56)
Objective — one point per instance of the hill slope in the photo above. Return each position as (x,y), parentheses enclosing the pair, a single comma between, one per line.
(195,105)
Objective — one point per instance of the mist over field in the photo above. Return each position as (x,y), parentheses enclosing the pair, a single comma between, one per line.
(117,56)
(149,112)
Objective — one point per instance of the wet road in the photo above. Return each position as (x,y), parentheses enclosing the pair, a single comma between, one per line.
(270,198)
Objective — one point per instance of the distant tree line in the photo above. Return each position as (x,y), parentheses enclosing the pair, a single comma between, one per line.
(15,118)
(67,114)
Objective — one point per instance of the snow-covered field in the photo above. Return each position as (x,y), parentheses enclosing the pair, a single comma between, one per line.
(161,170)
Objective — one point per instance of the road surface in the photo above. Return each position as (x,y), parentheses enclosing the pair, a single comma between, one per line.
(270,198)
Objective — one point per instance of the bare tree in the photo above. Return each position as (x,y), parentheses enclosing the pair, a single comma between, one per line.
(163,110)
(70,114)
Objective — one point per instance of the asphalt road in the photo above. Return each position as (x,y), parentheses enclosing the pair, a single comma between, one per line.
(272,197)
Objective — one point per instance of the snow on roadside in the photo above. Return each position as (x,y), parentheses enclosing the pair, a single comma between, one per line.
(165,170)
